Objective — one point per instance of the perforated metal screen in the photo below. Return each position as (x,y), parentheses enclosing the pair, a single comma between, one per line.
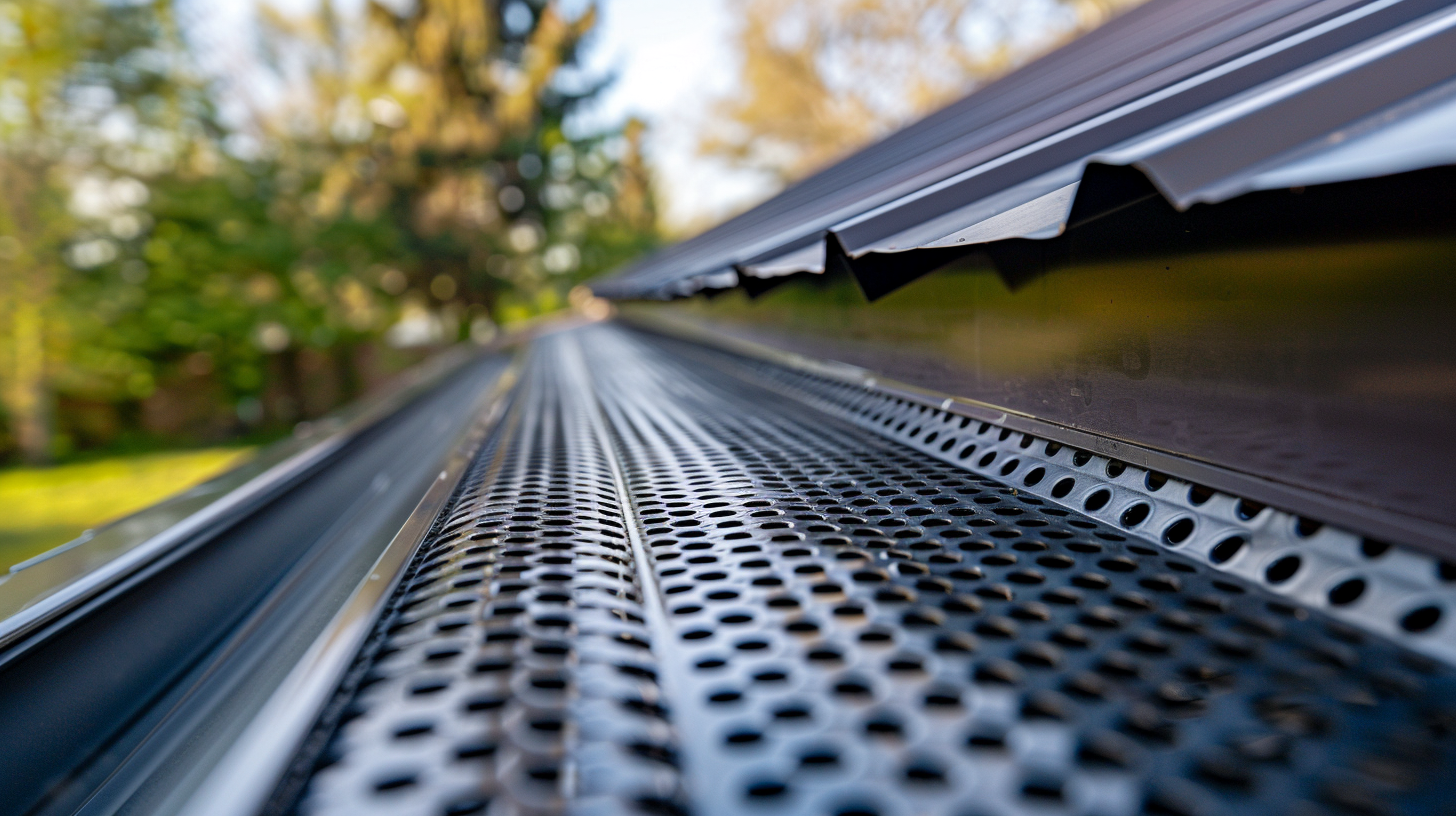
(664,589)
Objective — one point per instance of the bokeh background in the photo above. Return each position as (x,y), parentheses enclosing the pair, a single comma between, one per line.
(221,218)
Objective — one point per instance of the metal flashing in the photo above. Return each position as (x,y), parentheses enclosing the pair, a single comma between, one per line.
(1207,115)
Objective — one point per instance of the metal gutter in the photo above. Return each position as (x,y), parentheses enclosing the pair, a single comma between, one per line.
(36,599)
(248,772)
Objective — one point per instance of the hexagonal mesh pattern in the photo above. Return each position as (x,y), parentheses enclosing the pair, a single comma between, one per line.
(829,622)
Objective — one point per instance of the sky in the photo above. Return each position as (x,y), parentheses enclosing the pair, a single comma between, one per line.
(669,58)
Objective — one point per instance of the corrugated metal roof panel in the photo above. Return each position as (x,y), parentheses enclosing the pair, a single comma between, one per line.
(1209,99)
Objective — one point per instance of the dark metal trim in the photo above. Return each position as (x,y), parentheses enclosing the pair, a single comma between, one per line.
(1151,67)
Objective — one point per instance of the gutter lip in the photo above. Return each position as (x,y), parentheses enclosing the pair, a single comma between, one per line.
(35,620)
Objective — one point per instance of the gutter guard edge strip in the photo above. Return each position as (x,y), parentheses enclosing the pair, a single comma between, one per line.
(1431,537)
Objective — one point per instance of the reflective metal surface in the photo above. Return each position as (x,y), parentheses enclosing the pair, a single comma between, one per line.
(1397,592)
(43,587)
(665,589)
(1330,368)
(513,669)
(241,781)
(112,705)
(1211,100)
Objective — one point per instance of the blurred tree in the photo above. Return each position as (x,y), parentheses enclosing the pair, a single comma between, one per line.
(820,78)
(417,183)
(221,297)
(85,101)
(447,119)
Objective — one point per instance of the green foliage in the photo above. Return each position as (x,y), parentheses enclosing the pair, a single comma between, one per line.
(87,86)
(225,277)
(450,120)
(416,185)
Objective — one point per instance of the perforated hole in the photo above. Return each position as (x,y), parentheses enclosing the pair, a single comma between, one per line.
(1096,500)
(1283,569)
(1179,531)
(1136,514)
(1247,509)
(1421,619)
(1225,550)
(1347,592)
(1371,548)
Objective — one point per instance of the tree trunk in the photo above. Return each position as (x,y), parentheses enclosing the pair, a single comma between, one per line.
(29,400)
(33,220)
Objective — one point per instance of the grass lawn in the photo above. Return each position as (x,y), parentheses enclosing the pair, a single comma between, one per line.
(41,508)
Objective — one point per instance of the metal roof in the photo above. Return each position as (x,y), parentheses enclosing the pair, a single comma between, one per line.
(1208,100)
